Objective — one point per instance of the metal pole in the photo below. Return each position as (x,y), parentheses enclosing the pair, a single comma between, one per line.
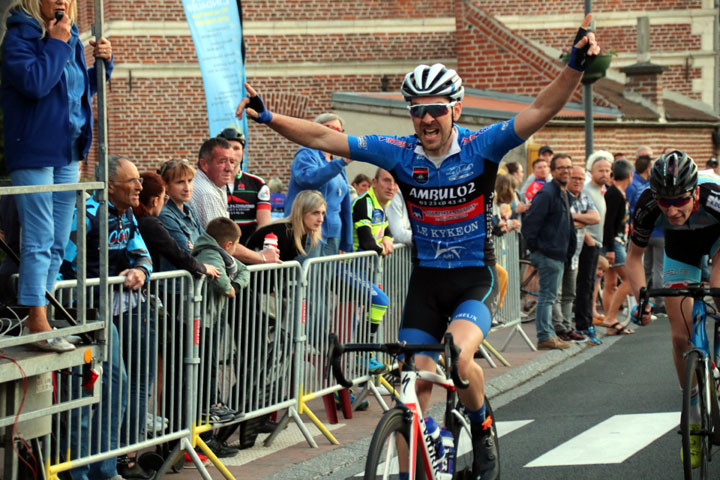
(588,103)
(102,162)
(716,50)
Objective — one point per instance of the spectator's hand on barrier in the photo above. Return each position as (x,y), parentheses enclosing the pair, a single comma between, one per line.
(516,224)
(610,256)
(102,48)
(388,246)
(211,271)
(231,293)
(254,106)
(585,47)
(134,278)
(270,255)
(59,30)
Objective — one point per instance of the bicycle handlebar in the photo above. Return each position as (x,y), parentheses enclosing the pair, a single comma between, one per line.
(451,351)
(694,290)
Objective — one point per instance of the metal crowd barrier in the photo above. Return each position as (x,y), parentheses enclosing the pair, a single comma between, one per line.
(142,400)
(336,299)
(507,252)
(185,351)
(247,346)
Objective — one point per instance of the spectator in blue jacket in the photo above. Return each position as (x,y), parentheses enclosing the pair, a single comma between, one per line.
(317,170)
(45,97)
(550,235)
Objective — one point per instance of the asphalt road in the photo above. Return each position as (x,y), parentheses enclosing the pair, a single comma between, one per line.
(611,412)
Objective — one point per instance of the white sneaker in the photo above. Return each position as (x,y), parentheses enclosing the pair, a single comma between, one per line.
(155,424)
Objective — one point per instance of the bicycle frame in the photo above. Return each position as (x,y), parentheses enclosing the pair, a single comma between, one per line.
(407,400)
(699,338)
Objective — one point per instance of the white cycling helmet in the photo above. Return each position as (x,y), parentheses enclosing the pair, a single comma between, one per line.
(435,81)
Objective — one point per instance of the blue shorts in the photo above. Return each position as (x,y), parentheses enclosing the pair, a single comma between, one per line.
(684,251)
(620,253)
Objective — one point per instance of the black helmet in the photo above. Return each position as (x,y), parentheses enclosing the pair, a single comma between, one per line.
(673,174)
(435,81)
(232,133)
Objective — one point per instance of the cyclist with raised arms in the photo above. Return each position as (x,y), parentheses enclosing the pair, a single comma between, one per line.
(446,174)
(688,209)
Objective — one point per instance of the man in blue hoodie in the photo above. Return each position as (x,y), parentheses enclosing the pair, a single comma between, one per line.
(550,235)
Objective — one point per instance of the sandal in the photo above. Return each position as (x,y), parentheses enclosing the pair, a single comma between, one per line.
(619,329)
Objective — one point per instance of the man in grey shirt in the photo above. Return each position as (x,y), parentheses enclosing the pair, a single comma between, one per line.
(599,166)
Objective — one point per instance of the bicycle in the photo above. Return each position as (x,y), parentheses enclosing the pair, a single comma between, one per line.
(528,290)
(401,426)
(699,368)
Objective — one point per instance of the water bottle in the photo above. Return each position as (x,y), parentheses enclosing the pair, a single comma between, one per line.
(448,443)
(434,433)
(271,241)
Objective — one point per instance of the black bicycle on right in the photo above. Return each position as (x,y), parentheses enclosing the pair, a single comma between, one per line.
(699,367)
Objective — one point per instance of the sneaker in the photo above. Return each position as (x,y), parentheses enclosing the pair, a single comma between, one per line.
(190,464)
(375,367)
(592,338)
(361,407)
(564,336)
(695,448)
(155,424)
(553,343)
(221,449)
(485,454)
(576,336)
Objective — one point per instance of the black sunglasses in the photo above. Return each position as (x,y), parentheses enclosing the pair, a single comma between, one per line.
(435,110)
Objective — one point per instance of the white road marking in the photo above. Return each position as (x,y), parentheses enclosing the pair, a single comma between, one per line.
(612,441)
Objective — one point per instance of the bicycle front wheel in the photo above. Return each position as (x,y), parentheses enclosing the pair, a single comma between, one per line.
(695,436)
(389,446)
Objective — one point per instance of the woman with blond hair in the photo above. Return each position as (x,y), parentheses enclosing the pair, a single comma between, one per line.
(46,101)
(299,232)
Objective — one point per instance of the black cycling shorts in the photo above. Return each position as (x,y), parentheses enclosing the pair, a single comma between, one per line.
(434,295)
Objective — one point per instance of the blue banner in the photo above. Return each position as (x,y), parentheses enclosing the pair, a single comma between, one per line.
(216,32)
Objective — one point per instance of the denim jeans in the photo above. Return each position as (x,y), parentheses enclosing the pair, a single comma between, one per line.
(549,276)
(46,219)
(330,247)
(139,354)
(563,306)
(106,418)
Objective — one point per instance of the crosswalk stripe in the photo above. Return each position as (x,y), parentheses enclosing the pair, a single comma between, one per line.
(612,441)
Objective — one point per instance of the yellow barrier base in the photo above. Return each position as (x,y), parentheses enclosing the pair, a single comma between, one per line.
(303,408)
(198,442)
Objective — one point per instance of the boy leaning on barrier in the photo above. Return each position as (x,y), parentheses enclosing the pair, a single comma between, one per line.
(215,247)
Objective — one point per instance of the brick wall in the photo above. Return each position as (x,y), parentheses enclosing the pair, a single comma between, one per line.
(162,118)
(558,7)
(695,142)
(663,38)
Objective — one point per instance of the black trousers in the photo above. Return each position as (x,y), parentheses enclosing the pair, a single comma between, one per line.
(587,264)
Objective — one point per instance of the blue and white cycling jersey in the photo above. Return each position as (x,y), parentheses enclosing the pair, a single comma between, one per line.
(450,207)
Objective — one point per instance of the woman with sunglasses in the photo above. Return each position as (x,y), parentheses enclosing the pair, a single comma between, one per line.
(317,170)
(46,100)
(687,207)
